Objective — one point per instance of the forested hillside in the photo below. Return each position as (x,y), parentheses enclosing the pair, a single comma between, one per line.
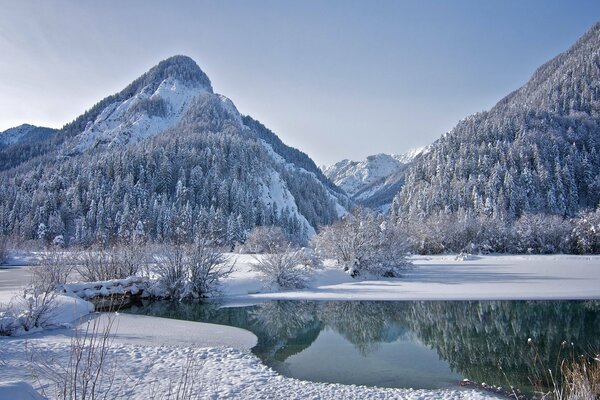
(536,152)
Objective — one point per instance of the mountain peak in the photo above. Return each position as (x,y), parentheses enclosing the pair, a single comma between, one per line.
(179,67)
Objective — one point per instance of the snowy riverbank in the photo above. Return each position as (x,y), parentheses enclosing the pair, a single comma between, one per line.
(152,352)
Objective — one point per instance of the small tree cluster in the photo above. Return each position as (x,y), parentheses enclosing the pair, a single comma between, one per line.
(191,271)
(266,239)
(363,242)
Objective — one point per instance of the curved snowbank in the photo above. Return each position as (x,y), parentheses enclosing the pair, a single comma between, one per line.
(153,331)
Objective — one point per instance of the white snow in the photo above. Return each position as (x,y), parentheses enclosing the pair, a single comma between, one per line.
(488,277)
(88,290)
(275,191)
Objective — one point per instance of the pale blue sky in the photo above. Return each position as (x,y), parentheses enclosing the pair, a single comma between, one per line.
(336,79)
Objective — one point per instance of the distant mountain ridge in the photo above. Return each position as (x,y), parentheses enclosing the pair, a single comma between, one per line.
(373,181)
(536,151)
(22,143)
(164,157)
(25,134)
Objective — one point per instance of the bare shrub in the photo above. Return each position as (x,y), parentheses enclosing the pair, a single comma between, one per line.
(171,271)
(129,259)
(116,263)
(287,269)
(53,270)
(206,267)
(191,270)
(96,265)
(266,239)
(364,242)
(89,371)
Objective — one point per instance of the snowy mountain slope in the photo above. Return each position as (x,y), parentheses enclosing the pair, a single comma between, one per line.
(373,181)
(23,143)
(535,151)
(300,163)
(167,151)
(155,107)
(139,117)
(25,134)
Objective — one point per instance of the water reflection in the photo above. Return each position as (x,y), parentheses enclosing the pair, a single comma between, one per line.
(474,338)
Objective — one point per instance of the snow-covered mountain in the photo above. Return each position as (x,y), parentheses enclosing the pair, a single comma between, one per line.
(374,181)
(161,98)
(164,153)
(23,143)
(537,151)
(25,134)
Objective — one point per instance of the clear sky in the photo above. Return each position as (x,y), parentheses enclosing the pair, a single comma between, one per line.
(336,79)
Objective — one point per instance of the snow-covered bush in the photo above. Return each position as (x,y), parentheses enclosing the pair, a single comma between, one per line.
(266,239)
(287,269)
(27,312)
(364,242)
(35,309)
(586,233)
(8,321)
(190,270)
(310,258)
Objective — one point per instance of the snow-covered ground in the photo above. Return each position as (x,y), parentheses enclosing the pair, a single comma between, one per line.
(488,277)
(152,353)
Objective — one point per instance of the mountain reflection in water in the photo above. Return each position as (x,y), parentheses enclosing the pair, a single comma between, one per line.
(422,344)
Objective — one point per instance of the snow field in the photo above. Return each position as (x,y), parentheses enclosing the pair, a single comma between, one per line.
(486,277)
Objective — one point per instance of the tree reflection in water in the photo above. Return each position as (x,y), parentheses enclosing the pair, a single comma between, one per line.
(473,337)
